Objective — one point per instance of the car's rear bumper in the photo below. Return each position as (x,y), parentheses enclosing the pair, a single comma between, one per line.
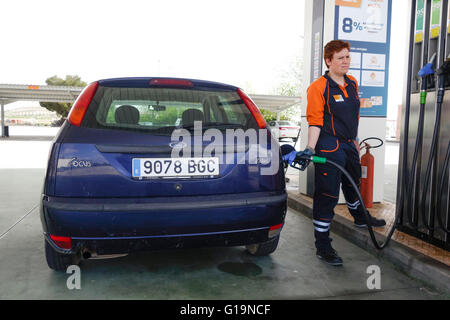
(125,225)
(288,134)
(119,245)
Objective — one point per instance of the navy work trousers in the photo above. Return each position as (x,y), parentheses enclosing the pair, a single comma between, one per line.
(328,180)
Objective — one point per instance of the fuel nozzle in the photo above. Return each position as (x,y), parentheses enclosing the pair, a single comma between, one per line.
(444,69)
(442,72)
(427,70)
(296,159)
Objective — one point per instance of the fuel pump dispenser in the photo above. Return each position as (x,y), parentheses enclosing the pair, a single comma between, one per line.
(424,74)
(423,183)
(442,74)
(443,81)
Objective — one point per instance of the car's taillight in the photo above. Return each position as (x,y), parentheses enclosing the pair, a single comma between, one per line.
(171,83)
(283,128)
(253,109)
(62,242)
(80,106)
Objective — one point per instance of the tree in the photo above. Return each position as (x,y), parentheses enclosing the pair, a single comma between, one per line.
(291,85)
(62,108)
(272,116)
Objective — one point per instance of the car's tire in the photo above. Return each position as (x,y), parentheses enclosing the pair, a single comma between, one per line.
(58,261)
(263,248)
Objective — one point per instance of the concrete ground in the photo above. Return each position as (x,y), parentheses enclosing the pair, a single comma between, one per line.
(292,272)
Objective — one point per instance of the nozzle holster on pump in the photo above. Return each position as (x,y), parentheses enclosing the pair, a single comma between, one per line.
(443,74)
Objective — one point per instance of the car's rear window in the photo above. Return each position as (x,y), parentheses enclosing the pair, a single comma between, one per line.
(161,110)
(285,123)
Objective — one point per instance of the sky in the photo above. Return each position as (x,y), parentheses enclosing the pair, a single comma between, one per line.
(247,43)
(236,42)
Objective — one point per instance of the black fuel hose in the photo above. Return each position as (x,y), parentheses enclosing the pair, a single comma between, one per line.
(428,174)
(442,72)
(431,157)
(412,174)
(426,71)
(441,189)
(366,213)
(372,138)
(323,160)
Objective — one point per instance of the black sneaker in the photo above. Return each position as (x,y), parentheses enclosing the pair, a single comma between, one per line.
(361,223)
(330,256)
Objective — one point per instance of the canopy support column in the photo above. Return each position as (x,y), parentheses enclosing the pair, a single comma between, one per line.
(3,118)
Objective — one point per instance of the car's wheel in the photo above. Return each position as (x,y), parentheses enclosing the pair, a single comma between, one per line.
(58,261)
(263,248)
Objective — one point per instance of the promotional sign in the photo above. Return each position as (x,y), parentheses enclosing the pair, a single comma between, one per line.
(418,37)
(366,25)
(448,20)
(435,18)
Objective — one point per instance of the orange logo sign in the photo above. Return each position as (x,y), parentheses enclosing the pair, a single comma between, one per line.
(349,3)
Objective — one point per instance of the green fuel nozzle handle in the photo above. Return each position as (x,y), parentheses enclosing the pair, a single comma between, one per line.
(317,159)
(314,159)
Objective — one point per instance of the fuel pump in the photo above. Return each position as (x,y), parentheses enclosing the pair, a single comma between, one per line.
(423,185)
(442,73)
(423,73)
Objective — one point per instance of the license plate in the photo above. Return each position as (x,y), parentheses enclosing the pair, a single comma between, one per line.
(174,167)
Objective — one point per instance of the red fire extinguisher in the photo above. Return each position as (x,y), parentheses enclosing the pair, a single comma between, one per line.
(367,165)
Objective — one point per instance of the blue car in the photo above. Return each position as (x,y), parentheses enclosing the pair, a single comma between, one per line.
(152,163)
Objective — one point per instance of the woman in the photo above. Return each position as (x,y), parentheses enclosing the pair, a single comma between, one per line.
(333,118)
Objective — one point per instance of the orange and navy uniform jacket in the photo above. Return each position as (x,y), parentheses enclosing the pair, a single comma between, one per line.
(333,108)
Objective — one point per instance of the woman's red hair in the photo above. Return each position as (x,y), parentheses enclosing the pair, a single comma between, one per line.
(332,47)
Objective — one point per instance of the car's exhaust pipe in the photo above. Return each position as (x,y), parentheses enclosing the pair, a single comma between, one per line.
(86,254)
